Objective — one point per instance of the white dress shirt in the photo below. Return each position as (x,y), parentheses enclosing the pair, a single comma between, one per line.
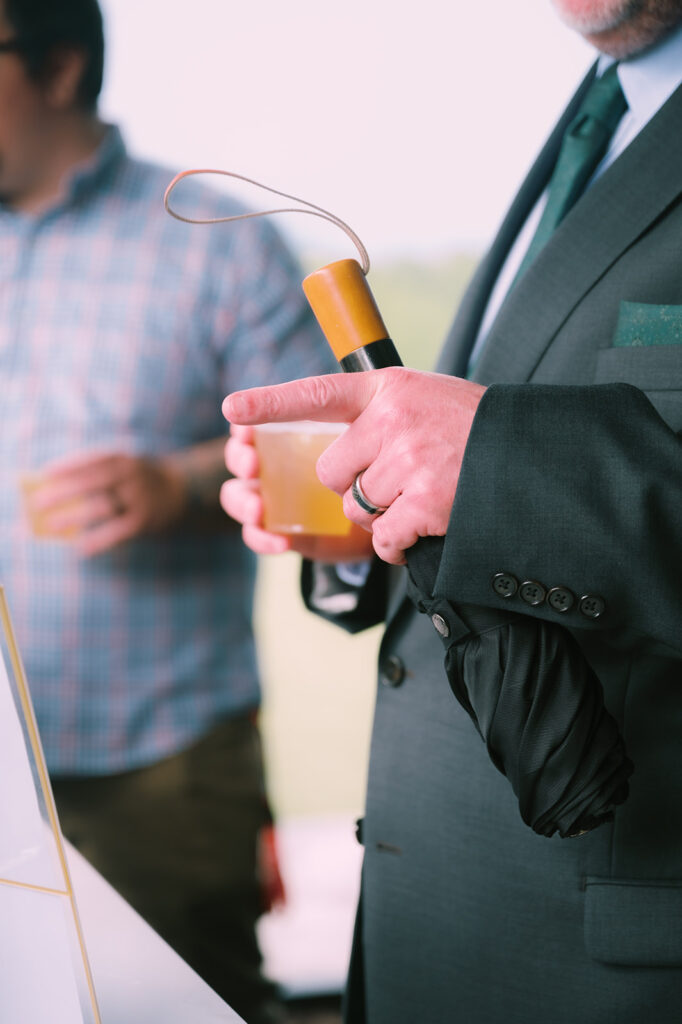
(647,81)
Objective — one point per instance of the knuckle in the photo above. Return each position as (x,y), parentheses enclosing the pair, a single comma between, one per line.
(382,532)
(321,390)
(393,376)
(392,421)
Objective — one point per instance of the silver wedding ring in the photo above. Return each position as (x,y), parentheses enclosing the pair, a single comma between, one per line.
(362,500)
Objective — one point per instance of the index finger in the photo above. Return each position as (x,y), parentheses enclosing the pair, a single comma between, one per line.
(337,397)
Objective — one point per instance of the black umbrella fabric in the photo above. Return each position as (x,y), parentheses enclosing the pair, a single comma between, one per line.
(537,704)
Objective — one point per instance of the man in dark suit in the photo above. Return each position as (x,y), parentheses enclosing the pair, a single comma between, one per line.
(554,473)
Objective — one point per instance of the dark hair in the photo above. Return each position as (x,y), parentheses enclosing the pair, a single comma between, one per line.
(45,25)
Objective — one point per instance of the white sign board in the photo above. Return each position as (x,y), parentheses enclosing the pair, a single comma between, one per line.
(44,970)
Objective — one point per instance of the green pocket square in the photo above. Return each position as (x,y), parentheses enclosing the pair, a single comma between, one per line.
(644,323)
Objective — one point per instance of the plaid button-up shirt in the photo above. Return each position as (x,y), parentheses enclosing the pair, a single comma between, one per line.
(123,329)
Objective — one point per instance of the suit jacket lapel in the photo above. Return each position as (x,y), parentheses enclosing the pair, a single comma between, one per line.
(455,354)
(628,197)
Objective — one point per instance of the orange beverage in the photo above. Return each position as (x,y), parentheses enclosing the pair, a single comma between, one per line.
(295,500)
(37,517)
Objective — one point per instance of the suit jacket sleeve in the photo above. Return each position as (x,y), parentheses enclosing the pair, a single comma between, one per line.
(577,487)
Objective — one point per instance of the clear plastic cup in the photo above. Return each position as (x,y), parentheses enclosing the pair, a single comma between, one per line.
(295,501)
(30,484)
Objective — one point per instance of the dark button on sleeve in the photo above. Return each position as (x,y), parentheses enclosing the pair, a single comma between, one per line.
(560,599)
(391,671)
(532,592)
(504,584)
(592,606)
(450,626)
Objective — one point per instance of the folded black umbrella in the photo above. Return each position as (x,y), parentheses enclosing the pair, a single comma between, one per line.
(537,704)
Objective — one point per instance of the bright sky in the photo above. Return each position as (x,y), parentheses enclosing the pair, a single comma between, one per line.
(412,122)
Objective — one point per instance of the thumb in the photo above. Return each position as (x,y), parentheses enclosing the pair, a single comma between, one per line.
(337,397)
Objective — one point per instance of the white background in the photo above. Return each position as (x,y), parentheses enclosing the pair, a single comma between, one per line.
(413,122)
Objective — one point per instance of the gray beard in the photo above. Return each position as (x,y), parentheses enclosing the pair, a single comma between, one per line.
(665,13)
(590,24)
(634,27)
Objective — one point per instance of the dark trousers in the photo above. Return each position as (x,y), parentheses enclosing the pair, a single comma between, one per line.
(178,840)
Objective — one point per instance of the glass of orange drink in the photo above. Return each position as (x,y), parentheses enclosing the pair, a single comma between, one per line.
(294,499)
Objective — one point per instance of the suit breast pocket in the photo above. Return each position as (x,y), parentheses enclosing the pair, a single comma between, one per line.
(647,353)
(647,325)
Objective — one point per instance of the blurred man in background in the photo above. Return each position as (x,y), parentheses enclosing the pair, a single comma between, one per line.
(120,331)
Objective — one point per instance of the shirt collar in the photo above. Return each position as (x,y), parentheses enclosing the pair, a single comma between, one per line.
(87,175)
(650,78)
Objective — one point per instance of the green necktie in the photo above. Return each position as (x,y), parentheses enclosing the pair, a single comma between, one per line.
(584,144)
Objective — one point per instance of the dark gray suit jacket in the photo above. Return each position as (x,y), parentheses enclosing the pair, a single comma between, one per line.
(572,478)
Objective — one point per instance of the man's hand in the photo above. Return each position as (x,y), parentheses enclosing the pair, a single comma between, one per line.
(241,499)
(407,435)
(108,498)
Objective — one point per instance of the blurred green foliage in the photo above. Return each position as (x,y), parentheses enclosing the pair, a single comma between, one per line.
(418,302)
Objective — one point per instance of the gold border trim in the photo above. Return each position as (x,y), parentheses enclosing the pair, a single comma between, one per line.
(29,718)
(36,888)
